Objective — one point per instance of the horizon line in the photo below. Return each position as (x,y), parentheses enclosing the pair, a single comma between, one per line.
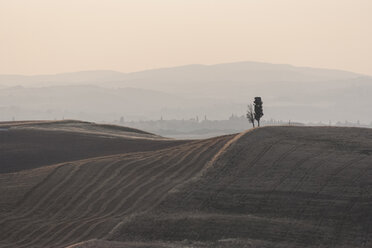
(185,65)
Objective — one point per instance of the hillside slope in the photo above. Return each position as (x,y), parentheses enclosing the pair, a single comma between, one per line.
(53,206)
(270,187)
(274,187)
(32,144)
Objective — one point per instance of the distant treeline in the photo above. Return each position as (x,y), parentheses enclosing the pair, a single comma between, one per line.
(203,127)
(197,126)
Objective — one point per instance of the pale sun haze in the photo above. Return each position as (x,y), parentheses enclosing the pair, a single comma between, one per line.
(53,36)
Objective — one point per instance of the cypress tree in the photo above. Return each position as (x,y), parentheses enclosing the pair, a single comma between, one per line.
(258,110)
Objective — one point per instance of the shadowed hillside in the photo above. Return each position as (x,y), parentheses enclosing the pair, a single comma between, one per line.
(270,187)
(27,145)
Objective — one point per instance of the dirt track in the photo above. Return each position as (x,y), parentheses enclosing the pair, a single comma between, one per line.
(272,187)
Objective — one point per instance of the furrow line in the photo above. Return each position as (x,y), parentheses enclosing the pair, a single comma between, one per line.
(58,226)
(166,183)
(135,169)
(11,230)
(103,208)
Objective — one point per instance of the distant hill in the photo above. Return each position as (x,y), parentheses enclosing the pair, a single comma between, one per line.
(95,103)
(289,93)
(184,78)
(168,77)
(269,187)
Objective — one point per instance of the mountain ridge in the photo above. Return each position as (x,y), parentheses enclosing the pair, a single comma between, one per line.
(111,75)
(217,91)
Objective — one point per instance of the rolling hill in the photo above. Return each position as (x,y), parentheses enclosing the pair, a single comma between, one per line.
(173,77)
(289,92)
(268,187)
(27,145)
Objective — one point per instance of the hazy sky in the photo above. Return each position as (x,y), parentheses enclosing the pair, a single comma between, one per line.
(51,36)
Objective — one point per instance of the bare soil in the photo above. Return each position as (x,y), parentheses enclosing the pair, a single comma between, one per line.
(28,145)
(270,187)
